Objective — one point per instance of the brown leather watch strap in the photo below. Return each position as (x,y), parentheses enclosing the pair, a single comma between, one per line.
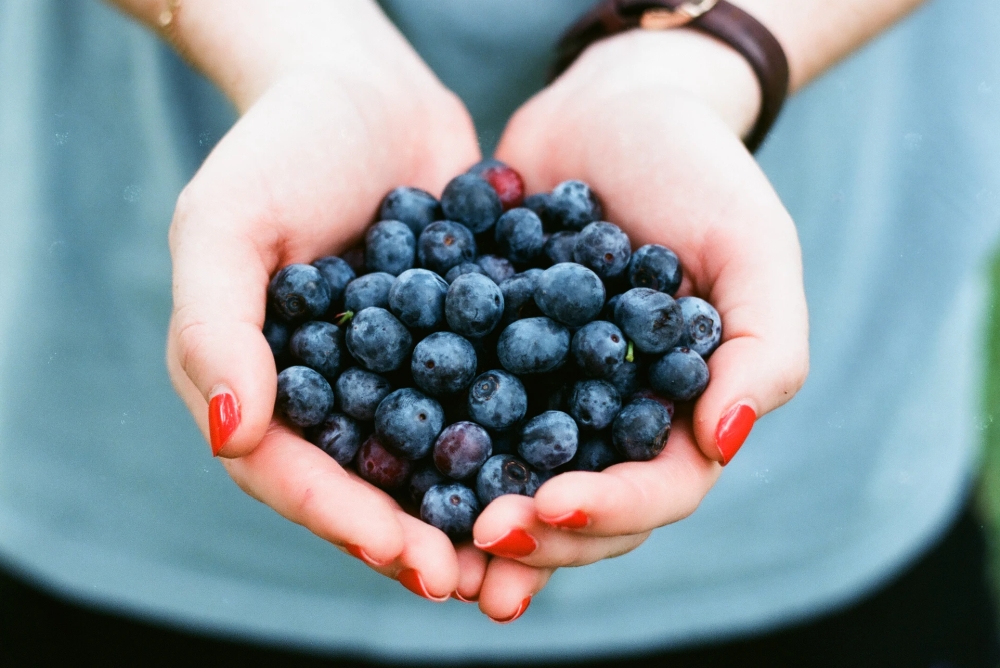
(718,18)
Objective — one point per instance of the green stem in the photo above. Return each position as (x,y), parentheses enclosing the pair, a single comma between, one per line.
(343,318)
(630,355)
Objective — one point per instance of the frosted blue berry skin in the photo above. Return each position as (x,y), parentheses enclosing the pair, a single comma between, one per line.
(408,422)
(451,507)
(549,440)
(702,325)
(595,454)
(603,248)
(541,205)
(461,449)
(652,320)
(641,429)
(559,246)
(443,363)
(533,345)
(599,348)
(594,404)
(625,379)
(298,292)
(413,206)
(304,397)
(473,305)
(359,392)
(368,290)
(390,246)
(417,299)
(338,273)
(423,478)
(680,375)
(444,244)
(656,267)
(378,340)
(320,346)
(519,235)
(575,205)
(519,296)
(570,294)
(470,200)
(464,268)
(499,269)
(505,474)
(497,400)
(277,333)
(338,436)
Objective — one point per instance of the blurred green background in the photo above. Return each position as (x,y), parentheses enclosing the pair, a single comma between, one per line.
(988,493)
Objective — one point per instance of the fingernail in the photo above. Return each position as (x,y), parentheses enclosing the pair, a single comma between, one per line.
(411,579)
(574,520)
(733,429)
(458,597)
(356,551)
(520,611)
(223,419)
(515,544)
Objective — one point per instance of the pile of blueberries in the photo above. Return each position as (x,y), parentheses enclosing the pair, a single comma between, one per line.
(478,345)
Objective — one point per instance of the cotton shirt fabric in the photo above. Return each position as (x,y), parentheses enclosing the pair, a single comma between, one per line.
(109,495)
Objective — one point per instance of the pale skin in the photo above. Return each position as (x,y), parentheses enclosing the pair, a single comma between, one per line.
(336,109)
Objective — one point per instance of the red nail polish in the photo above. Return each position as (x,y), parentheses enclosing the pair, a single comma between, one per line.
(515,544)
(574,520)
(458,597)
(520,611)
(733,429)
(357,552)
(223,419)
(411,579)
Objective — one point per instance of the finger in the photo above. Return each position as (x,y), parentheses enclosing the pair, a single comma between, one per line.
(472,564)
(509,527)
(428,566)
(508,588)
(633,497)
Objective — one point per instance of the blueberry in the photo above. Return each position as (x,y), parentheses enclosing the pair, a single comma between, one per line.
(319,345)
(505,474)
(625,379)
(443,363)
(570,293)
(519,296)
(338,436)
(505,181)
(277,333)
(380,466)
(641,429)
(656,267)
(413,206)
(594,404)
(559,247)
(608,312)
(378,340)
(452,508)
(702,325)
(304,397)
(533,345)
(461,449)
(603,248)
(574,205)
(338,273)
(355,259)
(497,268)
(368,290)
(647,393)
(359,392)
(681,375)
(408,421)
(470,200)
(541,205)
(651,319)
(417,299)
(519,235)
(299,292)
(464,268)
(473,306)
(425,477)
(390,247)
(549,440)
(599,348)
(497,400)
(595,454)
(444,244)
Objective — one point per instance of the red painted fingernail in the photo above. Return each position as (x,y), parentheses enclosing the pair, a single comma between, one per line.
(356,551)
(411,579)
(515,544)
(574,520)
(733,429)
(458,597)
(520,611)
(223,419)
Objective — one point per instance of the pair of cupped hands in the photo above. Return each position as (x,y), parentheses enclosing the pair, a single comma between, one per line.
(300,176)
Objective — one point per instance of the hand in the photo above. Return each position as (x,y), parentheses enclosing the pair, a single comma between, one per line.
(662,148)
(300,176)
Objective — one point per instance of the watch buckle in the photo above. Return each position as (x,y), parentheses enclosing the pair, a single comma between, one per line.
(663,18)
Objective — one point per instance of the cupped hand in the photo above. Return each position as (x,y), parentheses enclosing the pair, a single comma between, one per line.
(298,177)
(653,123)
